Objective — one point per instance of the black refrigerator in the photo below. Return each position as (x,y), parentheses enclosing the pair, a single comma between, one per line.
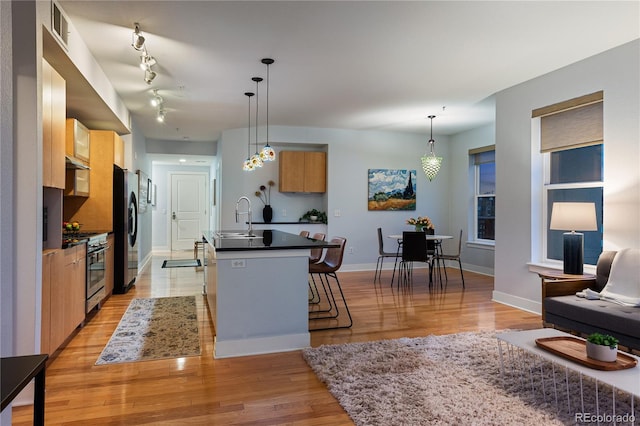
(125,229)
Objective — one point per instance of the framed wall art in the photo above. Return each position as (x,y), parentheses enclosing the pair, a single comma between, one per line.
(392,189)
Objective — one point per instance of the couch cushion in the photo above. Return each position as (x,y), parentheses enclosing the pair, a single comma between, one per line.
(603,269)
(597,313)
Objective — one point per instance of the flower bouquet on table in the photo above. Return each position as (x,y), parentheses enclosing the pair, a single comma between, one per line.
(421,223)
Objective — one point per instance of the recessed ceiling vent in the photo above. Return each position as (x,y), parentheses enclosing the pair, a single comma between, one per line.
(59,24)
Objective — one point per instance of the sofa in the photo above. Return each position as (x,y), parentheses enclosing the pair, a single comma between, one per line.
(613,305)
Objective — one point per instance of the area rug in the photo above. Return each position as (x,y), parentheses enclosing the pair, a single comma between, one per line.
(154,328)
(452,380)
(181,263)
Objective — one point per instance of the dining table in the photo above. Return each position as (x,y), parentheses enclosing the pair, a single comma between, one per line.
(437,238)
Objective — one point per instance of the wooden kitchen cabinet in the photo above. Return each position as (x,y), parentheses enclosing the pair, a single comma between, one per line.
(73,288)
(96,212)
(118,151)
(51,336)
(302,171)
(53,127)
(108,267)
(77,140)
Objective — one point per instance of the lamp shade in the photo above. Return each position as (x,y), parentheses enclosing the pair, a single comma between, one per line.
(574,217)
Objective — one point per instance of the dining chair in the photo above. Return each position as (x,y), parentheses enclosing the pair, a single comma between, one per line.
(454,257)
(314,257)
(383,254)
(325,270)
(414,249)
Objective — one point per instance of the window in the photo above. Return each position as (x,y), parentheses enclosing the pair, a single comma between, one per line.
(484,166)
(575,175)
(571,140)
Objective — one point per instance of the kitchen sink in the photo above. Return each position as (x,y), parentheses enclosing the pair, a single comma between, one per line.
(235,234)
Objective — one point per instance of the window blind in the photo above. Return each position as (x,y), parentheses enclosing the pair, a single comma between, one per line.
(571,124)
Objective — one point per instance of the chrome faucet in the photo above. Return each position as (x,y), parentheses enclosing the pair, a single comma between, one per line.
(248,212)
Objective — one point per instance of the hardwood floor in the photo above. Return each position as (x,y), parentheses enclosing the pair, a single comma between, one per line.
(257,390)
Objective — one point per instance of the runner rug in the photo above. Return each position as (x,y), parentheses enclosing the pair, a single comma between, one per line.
(154,328)
(454,380)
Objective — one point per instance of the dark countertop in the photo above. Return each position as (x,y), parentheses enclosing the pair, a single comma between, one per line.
(267,240)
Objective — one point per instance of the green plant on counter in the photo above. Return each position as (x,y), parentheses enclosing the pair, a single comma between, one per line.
(602,339)
(319,217)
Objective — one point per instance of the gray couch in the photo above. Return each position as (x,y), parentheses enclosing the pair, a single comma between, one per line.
(561,308)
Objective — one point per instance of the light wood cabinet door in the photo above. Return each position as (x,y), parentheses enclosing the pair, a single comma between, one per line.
(108,267)
(53,127)
(118,151)
(57,277)
(302,171)
(291,171)
(315,172)
(74,288)
(77,140)
(45,321)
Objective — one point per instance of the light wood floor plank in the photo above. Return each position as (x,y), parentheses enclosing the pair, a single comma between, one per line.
(265,389)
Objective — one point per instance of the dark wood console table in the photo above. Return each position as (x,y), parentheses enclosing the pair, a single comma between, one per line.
(16,373)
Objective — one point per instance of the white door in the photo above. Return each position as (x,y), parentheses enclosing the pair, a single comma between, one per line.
(188,209)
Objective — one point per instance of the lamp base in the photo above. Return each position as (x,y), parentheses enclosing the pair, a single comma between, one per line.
(573,253)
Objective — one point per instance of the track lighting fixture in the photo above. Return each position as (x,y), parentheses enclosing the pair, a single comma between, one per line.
(161,116)
(157,100)
(137,39)
(149,75)
(147,61)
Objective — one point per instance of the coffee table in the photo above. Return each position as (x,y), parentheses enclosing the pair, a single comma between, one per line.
(627,380)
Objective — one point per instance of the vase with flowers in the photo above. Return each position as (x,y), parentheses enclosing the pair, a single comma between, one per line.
(264,194)
(422,223)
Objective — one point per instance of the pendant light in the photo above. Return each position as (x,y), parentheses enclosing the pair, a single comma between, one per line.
(247,165)
(267,153)
(430,163)
(255,158)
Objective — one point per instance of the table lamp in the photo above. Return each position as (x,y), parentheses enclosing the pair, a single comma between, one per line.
(573,217)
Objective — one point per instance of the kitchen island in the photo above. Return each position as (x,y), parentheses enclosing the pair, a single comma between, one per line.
(257,291)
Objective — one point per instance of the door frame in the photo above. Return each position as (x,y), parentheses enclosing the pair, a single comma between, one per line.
(170,195)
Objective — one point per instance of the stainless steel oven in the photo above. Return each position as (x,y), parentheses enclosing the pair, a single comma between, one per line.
(96,272)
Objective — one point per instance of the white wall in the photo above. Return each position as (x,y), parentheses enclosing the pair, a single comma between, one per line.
(518,206)
(350,155)
(474,257)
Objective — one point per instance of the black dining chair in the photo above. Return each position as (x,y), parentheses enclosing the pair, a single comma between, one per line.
(414,249)
(385,254)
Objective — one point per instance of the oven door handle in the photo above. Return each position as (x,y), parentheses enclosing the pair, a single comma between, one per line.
(100,250)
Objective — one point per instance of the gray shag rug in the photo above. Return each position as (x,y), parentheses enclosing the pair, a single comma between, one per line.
(454,380)
(154,328)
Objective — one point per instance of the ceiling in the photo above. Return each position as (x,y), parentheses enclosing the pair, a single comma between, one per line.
(382,65)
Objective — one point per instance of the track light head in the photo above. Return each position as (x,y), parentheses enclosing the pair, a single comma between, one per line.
(161,116)
(137,40)
(147,61)
(149,76)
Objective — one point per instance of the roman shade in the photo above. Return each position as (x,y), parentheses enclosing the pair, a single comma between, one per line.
(571,124)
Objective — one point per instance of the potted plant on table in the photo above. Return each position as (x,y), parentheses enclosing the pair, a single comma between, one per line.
(314,216)
(602,347)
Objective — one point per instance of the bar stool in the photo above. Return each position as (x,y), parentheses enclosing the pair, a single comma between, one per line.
(314,257)
(325,270)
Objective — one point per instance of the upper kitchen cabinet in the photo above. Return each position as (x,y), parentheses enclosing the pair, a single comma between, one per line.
(53,127)
(302,171)
(78,140)
(118,151)
(96,212)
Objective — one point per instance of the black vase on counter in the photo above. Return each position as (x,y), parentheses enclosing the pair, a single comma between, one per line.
(267,214)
